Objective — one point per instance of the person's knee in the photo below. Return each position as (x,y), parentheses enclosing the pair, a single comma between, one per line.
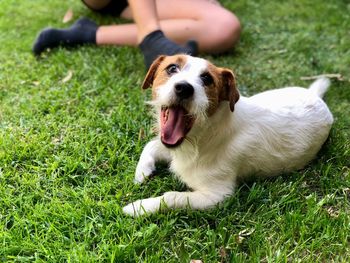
(223,30)
(228,29)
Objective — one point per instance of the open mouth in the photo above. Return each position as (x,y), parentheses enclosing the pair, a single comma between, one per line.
(175,124)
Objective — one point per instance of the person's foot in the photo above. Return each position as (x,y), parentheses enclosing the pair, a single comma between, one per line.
(83,31)
(156,44)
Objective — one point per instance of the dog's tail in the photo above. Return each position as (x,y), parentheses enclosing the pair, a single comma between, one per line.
(320,86)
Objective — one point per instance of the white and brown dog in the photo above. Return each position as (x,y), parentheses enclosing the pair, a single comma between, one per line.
(211,136)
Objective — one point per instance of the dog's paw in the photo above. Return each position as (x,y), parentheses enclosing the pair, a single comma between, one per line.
(143,170)
(144,206)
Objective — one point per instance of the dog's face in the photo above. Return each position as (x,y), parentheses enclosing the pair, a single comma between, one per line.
(186,90)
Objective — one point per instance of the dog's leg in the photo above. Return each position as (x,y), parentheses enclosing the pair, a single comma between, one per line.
(200,199)
(153,152)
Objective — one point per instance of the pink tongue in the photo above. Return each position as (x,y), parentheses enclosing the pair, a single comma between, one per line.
(173,130)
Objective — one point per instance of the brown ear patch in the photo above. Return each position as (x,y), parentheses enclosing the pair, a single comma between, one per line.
(148,80)
(229,91)
(223,88)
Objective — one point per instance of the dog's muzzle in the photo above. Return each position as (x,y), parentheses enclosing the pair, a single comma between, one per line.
(176,121)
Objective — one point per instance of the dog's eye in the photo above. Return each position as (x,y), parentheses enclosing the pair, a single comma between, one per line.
(206,78)
(172,68)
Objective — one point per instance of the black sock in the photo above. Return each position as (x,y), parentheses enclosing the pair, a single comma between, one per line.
(83,31)
(156,44)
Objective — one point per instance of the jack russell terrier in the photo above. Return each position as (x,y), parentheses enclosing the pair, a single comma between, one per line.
(211,136)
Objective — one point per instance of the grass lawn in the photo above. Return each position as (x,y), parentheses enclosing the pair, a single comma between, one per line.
(73,125)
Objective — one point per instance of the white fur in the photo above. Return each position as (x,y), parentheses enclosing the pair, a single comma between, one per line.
(272,132)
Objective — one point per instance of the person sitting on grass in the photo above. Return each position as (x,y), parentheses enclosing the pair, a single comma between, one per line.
(161,27)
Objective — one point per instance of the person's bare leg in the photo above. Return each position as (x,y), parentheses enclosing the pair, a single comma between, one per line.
(181,20)
(120,35)
(145,15)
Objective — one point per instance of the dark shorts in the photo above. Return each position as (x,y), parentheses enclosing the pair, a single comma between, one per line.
(114,7)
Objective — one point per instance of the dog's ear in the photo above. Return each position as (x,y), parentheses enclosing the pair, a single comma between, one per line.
(229,91)
(147,82)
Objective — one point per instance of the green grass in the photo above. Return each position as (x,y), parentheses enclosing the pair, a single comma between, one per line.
(68,150)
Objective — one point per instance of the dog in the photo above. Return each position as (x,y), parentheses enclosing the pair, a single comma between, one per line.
(211,136)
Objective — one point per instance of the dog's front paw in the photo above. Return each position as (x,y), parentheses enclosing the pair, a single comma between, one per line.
(143,170)
(144,206)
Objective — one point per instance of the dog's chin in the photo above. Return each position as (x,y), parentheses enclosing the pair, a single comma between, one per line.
(175,124)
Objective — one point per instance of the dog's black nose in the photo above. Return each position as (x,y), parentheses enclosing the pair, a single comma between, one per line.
(183,90)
